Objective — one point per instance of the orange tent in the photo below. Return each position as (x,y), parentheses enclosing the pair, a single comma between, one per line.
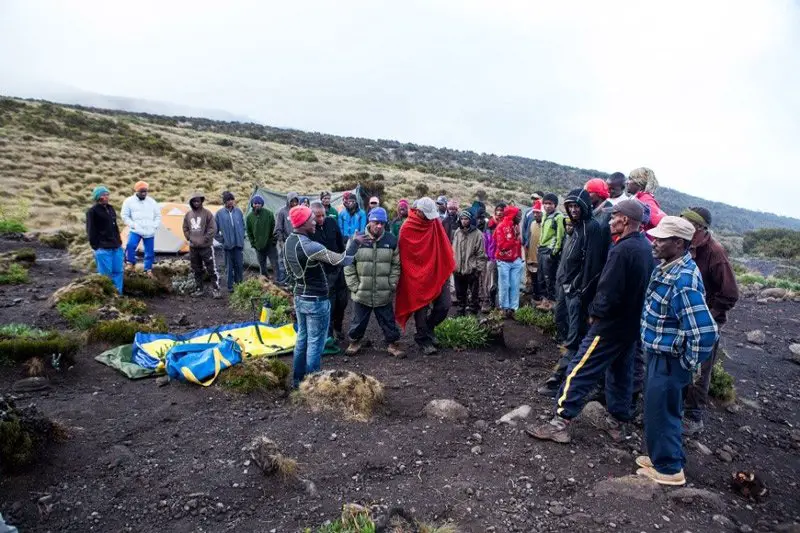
(169,235)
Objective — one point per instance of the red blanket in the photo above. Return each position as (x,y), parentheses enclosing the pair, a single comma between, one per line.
(426,262)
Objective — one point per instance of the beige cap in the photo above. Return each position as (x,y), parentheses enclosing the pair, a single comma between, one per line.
(428,207)
(673,227)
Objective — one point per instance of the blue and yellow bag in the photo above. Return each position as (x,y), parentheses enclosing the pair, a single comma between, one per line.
(201,363)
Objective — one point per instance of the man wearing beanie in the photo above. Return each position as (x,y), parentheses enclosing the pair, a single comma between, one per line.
(260,229)
(610,346)
(450,220)
(304,260)
(199,229)
(352,220)
(142,215)
(103,234)
(402,215)
(470,255)
(598,194)
(678,334)
(330,211)
(328,234)
(372,279)
(722,293)
(549,252)
(230,233)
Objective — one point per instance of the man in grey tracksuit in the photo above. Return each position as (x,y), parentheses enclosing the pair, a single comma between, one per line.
(230,232)
(283,228)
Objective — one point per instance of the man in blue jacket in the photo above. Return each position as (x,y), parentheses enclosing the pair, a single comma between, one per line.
(230,232)
(352,220)
(609,347)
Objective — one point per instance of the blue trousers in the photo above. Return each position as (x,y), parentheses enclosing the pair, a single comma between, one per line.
(663,411)
(149,250)
(313,317)
(234,265)
(509,275)
(597,357)
(109,264)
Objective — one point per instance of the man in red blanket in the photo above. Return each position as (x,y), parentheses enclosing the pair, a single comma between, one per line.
(426,259)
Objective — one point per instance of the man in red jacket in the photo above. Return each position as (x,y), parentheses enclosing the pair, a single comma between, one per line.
(722,293)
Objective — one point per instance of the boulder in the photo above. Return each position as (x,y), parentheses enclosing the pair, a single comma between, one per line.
(774,292)
(756,337)
(632,486)
(446,409)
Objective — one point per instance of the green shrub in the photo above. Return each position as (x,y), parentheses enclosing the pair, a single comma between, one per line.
(224,142)
(137,284)
(122,331)
(721,383)
(22,348)
(8,227)
(751,278)
(59,240)
(21,330)
(13,274)
(91,289)
(79,316)
(305,155)
(738,268)
(773,242)
(256,374)
(16,446)
(24,255)
(219,162)
(530,316)
(132,306)
(461,332)
(244,293)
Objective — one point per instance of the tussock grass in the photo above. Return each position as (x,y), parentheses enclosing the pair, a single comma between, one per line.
(266,454)
(257,374)
(20,343)
(13,274)
(122,331)
(461,332)
(354,395)
(91,289)
(530,316)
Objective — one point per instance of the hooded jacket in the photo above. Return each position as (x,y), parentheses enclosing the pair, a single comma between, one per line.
(230,227)
(141,216)
(260,228)
(584,254)
(373,276)
(507,237)
(469,249)
(199,227)
(722,291)
(283,226)
(349,223)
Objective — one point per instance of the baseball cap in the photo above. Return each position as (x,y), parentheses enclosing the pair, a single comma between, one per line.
(632,209)
(673,227)
(427,207)
(378,215)
(442,200)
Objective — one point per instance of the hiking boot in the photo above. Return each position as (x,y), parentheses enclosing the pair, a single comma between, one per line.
(557,430)
(618,431)
(395,350)
(644,461)
(663,479)
(338,335)
(197,293)
(429,349)
(690,428)
(547,390)
(216,294)
(353,348)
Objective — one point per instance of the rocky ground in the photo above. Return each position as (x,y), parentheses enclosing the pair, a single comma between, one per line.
(142,457)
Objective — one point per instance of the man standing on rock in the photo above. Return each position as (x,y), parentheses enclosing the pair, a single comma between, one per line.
(426,256)
(304,265)
(104,238)
(230,233)
(678,335)
(609,347)
(327,233)
(142,215)
(722,293)
(260,224)
(283,228)
(372,280)
(199,229)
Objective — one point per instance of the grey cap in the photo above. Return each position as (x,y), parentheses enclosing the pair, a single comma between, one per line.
(427,207)
(632,209)
(442,200)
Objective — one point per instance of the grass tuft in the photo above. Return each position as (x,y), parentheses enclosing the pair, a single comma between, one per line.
(530,316)
(255,375)
(721,387)
(13,274)
(121,331)
(356,396)
(461,332)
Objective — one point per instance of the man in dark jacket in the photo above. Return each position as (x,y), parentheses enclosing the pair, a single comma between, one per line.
(199,229)
(283,228)
(372,280)
(722,293)
(609,348)
(260,225)
(470,255)
(103,234)
(230,233)
(450,220)
(329,235)
(579,270)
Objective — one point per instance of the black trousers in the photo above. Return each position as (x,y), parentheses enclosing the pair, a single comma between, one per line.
(202,260)
(468,291)
(427,318)
(339,296)
(548,266)
(385,317)
(271,253)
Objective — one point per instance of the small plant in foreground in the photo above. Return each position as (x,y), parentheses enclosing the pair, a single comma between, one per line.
(13,274)
(255,375)
(8,227)
(529,316)
(122,331)
(244,293)
(721,387)
(461,332)
(79,316)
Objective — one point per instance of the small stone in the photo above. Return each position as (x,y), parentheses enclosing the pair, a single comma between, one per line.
(756,337)
(191,504)
(532,347)
(734,408)
(631,486)
(702,448)
(17,301)
(550,477)
(446,409)
(333,437)
(744,528)
(558,510)
(162,381)
(595,414)
(692,495)
(724,456)
(477,450)
(520,413)
(795,349)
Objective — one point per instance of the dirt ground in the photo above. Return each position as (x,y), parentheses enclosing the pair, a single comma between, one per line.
(148,458)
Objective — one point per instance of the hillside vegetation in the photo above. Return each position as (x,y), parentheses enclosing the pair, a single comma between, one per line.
(52,155)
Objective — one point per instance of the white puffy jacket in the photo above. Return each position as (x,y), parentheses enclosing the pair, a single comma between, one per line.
(141,216)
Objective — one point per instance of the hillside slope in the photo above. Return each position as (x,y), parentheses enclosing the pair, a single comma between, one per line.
(49,146)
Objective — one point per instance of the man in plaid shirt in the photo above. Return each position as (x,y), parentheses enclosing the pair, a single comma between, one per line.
(678,334)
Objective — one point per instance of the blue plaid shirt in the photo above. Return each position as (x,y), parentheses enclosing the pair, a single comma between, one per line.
(675,319)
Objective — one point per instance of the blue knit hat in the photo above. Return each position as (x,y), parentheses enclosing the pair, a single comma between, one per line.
(99,191)
(378,214)
(257,199)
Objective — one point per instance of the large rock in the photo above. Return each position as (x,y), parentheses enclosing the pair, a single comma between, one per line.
(632,486)
(34,384)
(774,292)
(756,337)
(690,495)
(795,351)
(520,413)
(446,409)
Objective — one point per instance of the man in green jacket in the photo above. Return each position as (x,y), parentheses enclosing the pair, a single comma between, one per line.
(372,280)
(330,211)
(550,242)
(260,226)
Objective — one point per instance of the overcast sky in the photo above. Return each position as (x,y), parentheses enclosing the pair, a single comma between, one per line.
(706,93)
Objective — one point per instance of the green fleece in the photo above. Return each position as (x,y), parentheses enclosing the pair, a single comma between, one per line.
(553,232)
(260,228)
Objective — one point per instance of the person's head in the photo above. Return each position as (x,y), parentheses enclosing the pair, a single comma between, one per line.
(626,217)
(598,191)
(465,220)
(481,221)
(402,208)
(569,227)
(578,205)
(642,179)
(499,210)
(374,202)
(228,200)
(318,212)
(377,222)
(452,208)
(350,201)
(100,194)
(549,203)
(512,213)
(700,217)
(441,204)
(325,198)
(304,200)
(196,200)
(141,188)
(257,202)
(537,211)
(302,220)
(426,208)
(616,184)
(292,199)
(536,196)
(673,236)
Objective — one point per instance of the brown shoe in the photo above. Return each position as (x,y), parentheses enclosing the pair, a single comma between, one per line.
(556,430)
(663,479)
(395,350)
(353,348)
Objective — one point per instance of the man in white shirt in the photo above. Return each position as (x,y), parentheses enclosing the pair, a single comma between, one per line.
(142,215)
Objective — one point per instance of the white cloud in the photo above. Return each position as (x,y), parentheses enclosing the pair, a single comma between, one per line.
(705,93)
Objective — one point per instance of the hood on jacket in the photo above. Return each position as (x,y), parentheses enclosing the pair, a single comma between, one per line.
(510,212)
(580,197)
(292,196)
(196,194)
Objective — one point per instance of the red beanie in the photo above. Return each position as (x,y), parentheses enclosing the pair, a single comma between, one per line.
(597,186)
(299,215)
(537,206)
